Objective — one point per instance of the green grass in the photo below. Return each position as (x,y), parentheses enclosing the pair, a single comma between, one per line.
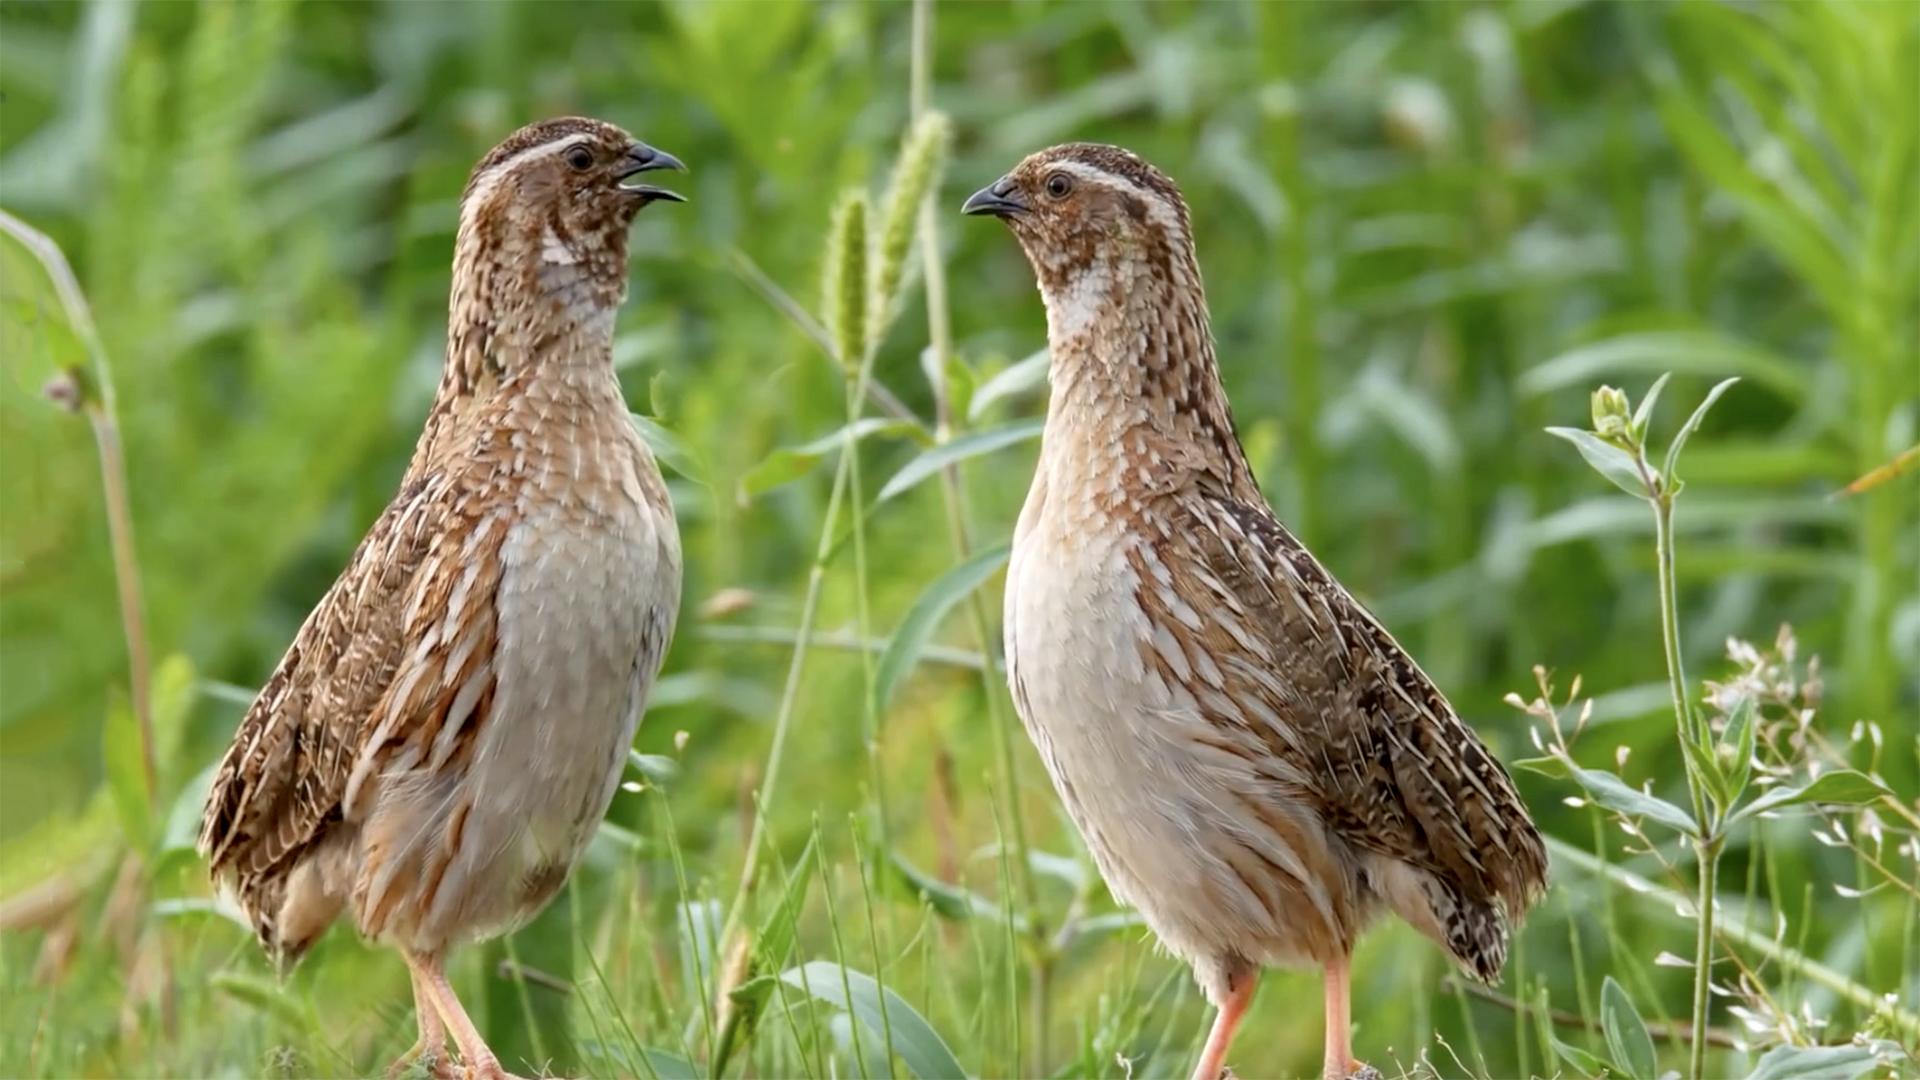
(1428,231)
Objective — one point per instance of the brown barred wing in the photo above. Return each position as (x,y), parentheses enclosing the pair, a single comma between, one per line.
(1396,772)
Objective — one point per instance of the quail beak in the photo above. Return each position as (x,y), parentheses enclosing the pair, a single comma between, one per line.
(996,200)
(643,158)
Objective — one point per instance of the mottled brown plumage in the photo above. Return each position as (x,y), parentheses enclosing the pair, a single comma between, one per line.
(446,730)
(1252,759)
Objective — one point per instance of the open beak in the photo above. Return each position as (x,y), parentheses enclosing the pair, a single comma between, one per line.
(997,199)
(643,158)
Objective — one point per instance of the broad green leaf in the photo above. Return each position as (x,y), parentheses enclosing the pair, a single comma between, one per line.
(1815,1063)
(1612,792)
(1627,1038)
(921,1049)
(1607,459)
(916,629)
(790,463)
(1016,378)
(960,449)
(1842,787)
(1692,425)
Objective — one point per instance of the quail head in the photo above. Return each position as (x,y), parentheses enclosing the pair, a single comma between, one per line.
(1253,761)
(450,723)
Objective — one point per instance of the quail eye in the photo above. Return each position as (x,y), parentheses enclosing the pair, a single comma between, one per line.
(580,158)
(1059,184)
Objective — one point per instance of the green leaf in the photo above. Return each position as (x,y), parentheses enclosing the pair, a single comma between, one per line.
(1842,787)
(967,446)
(790,463)
(1627,1038)
(910,639)
(120,757)
(949,901)
(263,995)
(1612,792)
(670,1066)
(1607,459)
(1703,768)
(1016,378)
(1692,425)
(183,818)
(1815,1063)
(1579,1059)
(659,769)
(1738,743)
(1644,414)
(1684,352)
(669,448)
(780,927)
(921,1049)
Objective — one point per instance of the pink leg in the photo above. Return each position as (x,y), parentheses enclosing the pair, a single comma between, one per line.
(1339,1063)
(431,1048)
(1213,1059)
(478,1061)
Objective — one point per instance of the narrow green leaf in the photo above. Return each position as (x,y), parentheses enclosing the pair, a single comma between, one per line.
(125,774)
(1607,459)
(967,446)
(1613,793)
(921,1049)
(1644,414)
(1842,787)
(1692,425)
(1016,378)
(670,1066)
(668,447)
(923,618)
(1737,745)
(657,768)
(1703,768)
(780,927)
(949,901)
(1627,1038)
(1815,1063)
(1586,1063)
(263,995)
(1683,352)
(790,463)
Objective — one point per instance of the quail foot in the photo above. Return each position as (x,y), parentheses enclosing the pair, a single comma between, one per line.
(449,725)
(1253,761)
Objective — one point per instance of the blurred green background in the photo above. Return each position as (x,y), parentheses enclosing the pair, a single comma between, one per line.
(1427,230)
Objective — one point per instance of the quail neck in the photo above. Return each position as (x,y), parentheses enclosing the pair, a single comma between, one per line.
(1134,382)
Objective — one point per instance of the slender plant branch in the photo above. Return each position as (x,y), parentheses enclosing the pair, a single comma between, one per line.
(940,344)
(92,393)
(1672,901)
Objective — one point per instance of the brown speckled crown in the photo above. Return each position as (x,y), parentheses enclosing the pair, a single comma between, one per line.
(535,134)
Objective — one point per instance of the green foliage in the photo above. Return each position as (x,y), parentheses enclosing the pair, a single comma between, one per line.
(1428,232)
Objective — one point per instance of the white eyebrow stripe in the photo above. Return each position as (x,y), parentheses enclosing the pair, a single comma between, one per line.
(484,184)
(1158,206)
